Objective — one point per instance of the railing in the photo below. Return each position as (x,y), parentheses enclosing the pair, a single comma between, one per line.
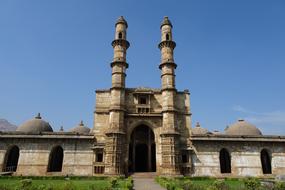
(10,169)
(99,168)
(143,108)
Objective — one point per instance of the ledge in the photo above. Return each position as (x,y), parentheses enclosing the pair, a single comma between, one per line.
(264,138)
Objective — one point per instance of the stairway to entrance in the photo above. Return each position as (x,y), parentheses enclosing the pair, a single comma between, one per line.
(145,181)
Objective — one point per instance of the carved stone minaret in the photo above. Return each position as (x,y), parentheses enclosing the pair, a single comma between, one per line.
(115,143)
(169,134)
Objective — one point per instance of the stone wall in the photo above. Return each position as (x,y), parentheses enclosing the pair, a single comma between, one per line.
(35,151)
(245,157)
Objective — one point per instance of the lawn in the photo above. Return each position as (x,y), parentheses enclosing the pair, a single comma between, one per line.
(204,183)
(73,183)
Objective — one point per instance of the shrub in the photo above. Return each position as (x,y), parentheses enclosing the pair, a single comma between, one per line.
(279,186)
(252,184)
(188,185)
(128,183)
(219,185)
(25,184)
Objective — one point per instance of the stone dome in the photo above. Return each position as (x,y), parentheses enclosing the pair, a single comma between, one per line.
(122,21)
(81,129)
(36,125)
(198,130)
(242,128)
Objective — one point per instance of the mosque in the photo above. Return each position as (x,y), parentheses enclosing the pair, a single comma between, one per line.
(141,130)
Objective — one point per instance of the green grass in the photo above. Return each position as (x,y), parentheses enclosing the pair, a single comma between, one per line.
(79,183)
(199,183)
(207,183)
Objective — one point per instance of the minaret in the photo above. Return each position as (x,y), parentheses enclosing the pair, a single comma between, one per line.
(115,142)
(169,134)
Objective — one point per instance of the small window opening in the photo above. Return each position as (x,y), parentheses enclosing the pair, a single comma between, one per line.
(120,35)
(167,36)
(99,157)
(142,100)
(99,169)
(184,158)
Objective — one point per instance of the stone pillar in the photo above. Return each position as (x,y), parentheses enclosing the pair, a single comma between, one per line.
(169,135)
(116,136)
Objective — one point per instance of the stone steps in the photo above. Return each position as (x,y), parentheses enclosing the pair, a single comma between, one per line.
(148,175)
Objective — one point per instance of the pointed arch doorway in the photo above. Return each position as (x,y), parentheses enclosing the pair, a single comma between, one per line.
(142,153)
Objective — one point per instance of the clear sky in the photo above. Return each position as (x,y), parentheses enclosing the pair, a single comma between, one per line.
(230,55)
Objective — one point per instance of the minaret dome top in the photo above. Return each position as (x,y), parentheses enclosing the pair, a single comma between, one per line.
(165,21)
(121,20)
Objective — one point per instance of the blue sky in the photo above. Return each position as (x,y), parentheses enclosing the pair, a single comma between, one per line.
(230,55)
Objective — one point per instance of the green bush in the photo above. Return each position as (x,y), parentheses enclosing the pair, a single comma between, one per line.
(252,184)
(128,183)
(114,182)
(25,184)
(279,186)
(219,185)
(188,185)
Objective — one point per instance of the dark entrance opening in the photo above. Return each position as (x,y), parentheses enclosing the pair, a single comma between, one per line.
(11,159)
(142,154)
(225,161)
(265,162)
(55,159)
(141,158)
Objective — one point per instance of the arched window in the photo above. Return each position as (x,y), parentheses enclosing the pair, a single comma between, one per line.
(120,35)
(55,159)
(265,162)
(167,36)
(225,161)
(11,159)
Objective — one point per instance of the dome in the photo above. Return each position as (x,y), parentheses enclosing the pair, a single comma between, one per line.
(80,129)
(122,21)
(36,125)
(165,21)
(242,128)
(198,130)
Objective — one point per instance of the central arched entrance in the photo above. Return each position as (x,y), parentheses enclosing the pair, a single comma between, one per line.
(142,150)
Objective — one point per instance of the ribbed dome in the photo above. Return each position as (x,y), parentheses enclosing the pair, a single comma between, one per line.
(35,125)
(165,21)
(198,130)
(242,128)
(122,21)
(81,129)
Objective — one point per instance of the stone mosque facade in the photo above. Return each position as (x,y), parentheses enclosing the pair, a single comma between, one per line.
(141,130)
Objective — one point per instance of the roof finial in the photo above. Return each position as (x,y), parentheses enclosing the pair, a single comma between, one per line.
(198,124)
(38,116)
(81,123)
(61,129)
